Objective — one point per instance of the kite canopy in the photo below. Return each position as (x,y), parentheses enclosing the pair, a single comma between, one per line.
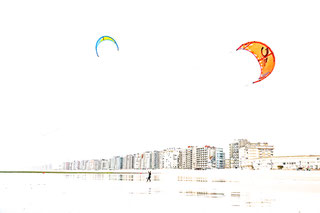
(263,54)
(103,38)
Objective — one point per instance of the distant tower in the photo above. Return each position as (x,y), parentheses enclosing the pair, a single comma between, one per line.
(234,151)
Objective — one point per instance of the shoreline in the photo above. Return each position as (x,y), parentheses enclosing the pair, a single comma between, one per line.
(159,171)
(229,175)
(73,172)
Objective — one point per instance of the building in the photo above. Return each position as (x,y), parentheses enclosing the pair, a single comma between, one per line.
(253,151)
(146,160)
(112,163)
(234,151)
(128,162)
(118,163)
(169,158)
(104,164)
(185,159)
(84,164)
(193,156)
(219,158)
(155,160)
(227,164)
(205,157)
(137,158)
(298,162)
(75,165)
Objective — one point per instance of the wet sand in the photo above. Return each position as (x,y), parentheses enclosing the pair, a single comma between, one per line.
(169,191)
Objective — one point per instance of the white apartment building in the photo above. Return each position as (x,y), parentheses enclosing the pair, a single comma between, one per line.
(91,165)
(112,163)
(119,162)
(137,161)
(76,165)
(253,151)
(234,151)
(155,157)
(205,157)
(193,156)
(128,162)
(185,159)
(169,158)
(104,164)
(146,160)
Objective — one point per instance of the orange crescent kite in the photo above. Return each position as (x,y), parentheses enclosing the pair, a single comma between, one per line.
(264,55)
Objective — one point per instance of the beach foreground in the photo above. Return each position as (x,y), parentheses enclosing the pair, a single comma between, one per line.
(169,190)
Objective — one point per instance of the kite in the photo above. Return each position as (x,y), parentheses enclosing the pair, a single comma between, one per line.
(103,38)
(263,54)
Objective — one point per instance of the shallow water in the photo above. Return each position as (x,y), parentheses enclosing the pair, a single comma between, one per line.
(174,190)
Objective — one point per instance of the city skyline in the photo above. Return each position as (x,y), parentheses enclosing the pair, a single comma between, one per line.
(183,152)
(225,149)
(243,155)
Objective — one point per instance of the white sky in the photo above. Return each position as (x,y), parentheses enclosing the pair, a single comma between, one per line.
(176,81)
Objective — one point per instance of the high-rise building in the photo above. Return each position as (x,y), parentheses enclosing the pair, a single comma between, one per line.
(169,158)
(234,151)
(155,160)
(205,157)
(137,161)
(91,165)
(146,160)
(112,163)
(219,158)
(83,165)
(118,162)
(128,162)
(104,164)
(75,165)
(185,159)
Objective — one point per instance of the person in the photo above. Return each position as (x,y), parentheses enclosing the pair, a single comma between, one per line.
(149,176)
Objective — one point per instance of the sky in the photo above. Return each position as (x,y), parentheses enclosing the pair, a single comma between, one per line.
(177,79)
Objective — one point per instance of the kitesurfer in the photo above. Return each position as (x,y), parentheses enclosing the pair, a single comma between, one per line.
(149,176)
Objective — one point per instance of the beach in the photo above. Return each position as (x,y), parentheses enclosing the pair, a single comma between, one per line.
(169,190)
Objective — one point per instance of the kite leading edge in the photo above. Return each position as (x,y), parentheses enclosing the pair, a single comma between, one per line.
(103,38)
(263,54)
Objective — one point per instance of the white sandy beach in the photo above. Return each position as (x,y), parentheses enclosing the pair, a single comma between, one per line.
(169,191)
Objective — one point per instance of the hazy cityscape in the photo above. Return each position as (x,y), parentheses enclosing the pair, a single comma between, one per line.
(243,154)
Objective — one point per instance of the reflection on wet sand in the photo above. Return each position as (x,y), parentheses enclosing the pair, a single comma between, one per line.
(250,201)
(235,194)
(149,191)
(112,177)
(86,176)
(201,179)
(262,203)
(135,177)
(203,194)
(258,192)
(247,193)
(236,200)
(192,179)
